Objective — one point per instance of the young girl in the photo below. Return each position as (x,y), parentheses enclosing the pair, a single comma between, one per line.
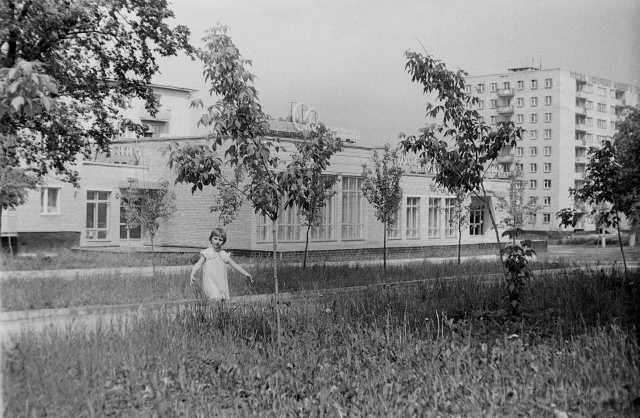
(215,260)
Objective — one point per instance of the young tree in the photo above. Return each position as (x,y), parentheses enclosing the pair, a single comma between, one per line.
(308,165)
(469,146)
(258,175)
(382,189)
(514,207)
(463,148)
(607,189)
(148,208)
(67,68)
(460,215)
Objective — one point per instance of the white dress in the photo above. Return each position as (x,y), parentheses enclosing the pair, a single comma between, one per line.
(214,273)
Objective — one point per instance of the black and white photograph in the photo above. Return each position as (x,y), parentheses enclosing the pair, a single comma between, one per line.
(235,208)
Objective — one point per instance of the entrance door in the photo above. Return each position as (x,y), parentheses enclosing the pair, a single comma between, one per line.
(131,235)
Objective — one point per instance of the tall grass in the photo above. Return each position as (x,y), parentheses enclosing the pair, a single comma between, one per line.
(435,349)
(119,288)
(68,259)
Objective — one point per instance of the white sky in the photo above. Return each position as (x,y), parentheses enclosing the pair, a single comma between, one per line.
(345,58)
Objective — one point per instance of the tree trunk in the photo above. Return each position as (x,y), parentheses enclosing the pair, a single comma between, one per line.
(306,249)
(384,262)
(274,232)
(624,260)
(459,240)
(0,227)
(153,258)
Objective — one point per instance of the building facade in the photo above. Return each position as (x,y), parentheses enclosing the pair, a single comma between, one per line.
(564,113)
(59,215)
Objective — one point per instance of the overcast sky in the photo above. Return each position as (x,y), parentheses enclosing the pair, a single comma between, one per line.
(345,58)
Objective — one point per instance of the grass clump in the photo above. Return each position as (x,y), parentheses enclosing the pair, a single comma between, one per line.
(431,349)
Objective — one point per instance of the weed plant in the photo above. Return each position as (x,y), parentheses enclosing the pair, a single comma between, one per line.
(119,288)
(430,349)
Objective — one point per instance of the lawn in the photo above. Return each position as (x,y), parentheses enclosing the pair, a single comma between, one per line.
(120,288)
(442,348)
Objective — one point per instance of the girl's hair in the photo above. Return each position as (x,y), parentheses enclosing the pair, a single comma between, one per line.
(218,232)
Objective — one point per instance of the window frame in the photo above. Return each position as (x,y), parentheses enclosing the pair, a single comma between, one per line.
(412,220)
(97,202)
(44,200)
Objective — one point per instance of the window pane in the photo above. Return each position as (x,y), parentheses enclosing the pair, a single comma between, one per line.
(102,215)
(103,195)
(102,234)
(90,212)
(91,195)
(53,200)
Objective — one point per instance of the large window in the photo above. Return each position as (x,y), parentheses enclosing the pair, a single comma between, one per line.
(97,226)
(413,217)
(433,227)
(476,221)
(352,208)
(50,201)
(450,226)
(291,226)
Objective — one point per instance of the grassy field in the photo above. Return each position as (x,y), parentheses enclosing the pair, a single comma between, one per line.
(437,349)
(119,288)
(67,259)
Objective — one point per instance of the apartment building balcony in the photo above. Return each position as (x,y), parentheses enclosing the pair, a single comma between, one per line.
(505,109)
(162,115)
(581,127)
(506,158)
(582,110)
(581,159)
(506,92)
(583,94)
(581,142)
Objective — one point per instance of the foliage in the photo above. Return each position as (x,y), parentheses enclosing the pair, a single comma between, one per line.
(574,353)
(148,207)
(568,217)
(627,145)
(468,146)
(24,89)
(609,187)
(519,273)
(228,202)
(315,187)
(67,68)
(15,182)
(382,189)
(517,212)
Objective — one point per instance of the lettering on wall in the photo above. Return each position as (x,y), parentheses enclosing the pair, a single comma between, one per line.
(119,154)
(605,82)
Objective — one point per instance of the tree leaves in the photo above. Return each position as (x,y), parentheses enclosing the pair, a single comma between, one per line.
(73,65)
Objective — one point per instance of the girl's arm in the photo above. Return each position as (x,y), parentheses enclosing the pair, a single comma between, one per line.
(240,270)
(195,269)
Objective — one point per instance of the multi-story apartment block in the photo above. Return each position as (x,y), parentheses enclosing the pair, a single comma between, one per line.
(563,113)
